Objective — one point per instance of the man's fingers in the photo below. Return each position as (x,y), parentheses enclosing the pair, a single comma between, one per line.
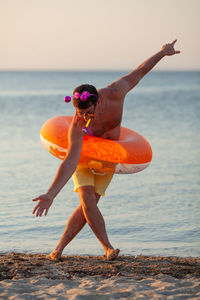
(174,42)
(46,211)
(36,199)
(39,212)
(176,52)
(34,210)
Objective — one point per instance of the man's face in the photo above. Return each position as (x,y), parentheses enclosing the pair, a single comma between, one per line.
(87,113)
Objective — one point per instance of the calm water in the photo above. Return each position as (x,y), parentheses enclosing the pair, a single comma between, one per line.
(153,212)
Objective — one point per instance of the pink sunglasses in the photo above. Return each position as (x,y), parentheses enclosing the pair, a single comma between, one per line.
(77,95)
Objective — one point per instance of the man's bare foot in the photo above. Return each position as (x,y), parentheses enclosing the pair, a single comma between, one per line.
(55,255)
(111,254)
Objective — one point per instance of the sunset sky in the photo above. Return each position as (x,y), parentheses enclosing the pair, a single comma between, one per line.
(97,34)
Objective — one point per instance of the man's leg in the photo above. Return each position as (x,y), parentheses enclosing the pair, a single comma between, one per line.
(78,220)
(95,219)
(74,225)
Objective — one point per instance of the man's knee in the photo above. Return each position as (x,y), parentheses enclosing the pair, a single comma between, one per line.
(88,197)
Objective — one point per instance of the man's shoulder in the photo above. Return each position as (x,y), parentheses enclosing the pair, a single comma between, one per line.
(113,92)
(107,92)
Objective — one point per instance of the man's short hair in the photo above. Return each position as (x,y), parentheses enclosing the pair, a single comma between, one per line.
(91,100)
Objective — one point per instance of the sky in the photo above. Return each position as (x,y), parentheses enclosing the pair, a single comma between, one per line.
(97,34)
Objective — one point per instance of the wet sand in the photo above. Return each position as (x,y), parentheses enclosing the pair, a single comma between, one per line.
(32,276)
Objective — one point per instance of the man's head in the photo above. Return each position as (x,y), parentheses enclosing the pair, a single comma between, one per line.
(89,100)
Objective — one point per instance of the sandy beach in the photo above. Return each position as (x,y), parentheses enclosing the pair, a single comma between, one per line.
(32,276)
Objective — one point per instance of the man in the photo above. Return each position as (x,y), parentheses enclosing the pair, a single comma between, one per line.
(104,107)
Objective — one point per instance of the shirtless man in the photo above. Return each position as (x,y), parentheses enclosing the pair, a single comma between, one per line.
(104,107)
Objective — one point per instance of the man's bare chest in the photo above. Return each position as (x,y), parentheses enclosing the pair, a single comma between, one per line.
(106,124)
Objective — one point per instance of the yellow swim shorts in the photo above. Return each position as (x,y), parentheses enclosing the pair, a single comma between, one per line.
(85,176)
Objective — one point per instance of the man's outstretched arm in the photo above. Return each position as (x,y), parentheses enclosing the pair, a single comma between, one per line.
(64,172)
(129,81)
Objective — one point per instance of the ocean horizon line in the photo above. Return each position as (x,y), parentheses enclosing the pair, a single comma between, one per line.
(96,70)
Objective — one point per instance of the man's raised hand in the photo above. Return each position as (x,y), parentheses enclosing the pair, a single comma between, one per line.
(168,49)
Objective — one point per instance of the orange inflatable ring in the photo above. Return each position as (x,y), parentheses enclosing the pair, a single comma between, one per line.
(130,154)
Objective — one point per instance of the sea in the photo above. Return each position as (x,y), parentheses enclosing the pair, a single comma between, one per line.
(153,212)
